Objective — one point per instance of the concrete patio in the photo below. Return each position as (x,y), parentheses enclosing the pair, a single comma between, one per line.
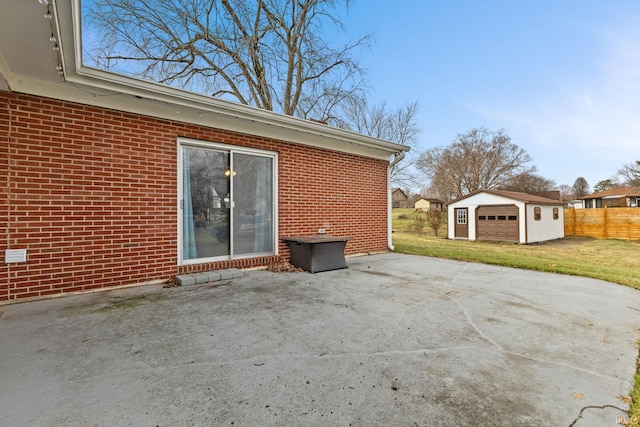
(393,340)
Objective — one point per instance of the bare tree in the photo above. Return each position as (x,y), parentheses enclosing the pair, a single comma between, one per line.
(477,159)
(271,54)
(395,125)
(529,182)
(630,174)
(565,192)
(580,187)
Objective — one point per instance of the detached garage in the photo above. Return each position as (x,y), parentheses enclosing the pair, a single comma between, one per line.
(505,216)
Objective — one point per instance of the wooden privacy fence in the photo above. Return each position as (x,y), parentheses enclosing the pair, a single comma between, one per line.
(611,223)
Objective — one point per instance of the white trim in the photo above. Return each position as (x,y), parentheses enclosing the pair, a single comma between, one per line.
(5,70)
(389,211)
(179,202)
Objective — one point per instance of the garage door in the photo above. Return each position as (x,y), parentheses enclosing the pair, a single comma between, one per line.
(498,222)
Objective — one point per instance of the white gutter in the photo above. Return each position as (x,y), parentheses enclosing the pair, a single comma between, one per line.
(399,156)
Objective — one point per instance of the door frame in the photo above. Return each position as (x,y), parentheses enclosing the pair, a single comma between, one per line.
(195,143)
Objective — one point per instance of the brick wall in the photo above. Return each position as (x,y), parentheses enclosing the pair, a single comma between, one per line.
(92,195)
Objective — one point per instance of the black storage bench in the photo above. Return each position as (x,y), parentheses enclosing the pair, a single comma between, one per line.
(317,253)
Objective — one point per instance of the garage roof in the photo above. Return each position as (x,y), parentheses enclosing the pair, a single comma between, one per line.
(522,197)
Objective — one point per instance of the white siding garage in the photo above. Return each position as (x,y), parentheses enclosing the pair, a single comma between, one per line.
(505,216)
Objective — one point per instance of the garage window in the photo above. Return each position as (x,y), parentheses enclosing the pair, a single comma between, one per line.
(556,213)
(512,218)
(482,218)
(537,214)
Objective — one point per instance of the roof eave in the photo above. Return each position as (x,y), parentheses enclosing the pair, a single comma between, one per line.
(88,86)
(104,81)
(191,107)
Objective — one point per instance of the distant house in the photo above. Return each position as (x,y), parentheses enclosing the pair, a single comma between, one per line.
(399,199)
(505,216)
(429,204)
(411,201)
(614,197)
(575,204)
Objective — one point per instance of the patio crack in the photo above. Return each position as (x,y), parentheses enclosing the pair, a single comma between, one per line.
(473,325)
(498,347)
(574,423)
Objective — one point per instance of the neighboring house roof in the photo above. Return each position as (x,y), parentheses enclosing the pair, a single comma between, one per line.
(397,190)
(614,192)
(522,197)
(413,199)
(60,74)
(551,194)
(430,200)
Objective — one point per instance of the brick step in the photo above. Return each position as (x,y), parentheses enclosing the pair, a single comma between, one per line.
(209,276)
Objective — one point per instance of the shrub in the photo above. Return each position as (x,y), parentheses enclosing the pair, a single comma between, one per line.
(419,221)
(435,219)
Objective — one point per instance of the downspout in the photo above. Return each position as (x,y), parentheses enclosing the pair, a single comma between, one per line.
(398,157)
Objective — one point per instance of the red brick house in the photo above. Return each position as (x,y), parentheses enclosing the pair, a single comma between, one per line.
(109,181)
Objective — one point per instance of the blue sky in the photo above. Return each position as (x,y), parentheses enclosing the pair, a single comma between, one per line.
(561,77)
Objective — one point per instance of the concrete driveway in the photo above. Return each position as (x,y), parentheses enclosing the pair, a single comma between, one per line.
(395,340)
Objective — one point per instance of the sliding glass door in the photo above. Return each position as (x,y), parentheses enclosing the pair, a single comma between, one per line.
(253,204)
(227,203)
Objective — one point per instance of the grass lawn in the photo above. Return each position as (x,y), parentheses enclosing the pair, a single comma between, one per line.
(607,259)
